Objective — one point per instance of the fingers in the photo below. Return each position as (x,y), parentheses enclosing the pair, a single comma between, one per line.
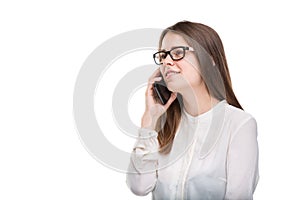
(156,73)
(153,78)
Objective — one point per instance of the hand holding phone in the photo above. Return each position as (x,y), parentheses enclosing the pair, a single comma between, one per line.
(157,93)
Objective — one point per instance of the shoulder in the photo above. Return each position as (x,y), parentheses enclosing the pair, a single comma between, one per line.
(236,114)
(237,118)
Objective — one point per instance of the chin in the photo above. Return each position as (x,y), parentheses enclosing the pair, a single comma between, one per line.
(172,88)
(176,86)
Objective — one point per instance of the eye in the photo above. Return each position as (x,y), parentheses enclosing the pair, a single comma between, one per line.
(177,53)
(162,55)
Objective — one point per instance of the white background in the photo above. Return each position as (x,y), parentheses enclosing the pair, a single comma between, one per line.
(44,44)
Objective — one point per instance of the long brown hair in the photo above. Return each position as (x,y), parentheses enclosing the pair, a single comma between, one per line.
(217,79)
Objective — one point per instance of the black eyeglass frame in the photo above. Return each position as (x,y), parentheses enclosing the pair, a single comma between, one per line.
(185,48)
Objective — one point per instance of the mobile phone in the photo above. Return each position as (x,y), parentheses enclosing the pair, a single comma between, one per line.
(162,91)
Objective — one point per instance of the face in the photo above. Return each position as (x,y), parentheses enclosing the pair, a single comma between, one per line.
(182,74)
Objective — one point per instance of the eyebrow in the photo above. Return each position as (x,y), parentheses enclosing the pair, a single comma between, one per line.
(172,48)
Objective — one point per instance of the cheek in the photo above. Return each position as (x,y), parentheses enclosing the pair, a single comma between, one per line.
(193,75)
(194,79)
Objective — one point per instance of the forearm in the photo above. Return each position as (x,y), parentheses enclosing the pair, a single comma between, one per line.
(140,183)
(141,176)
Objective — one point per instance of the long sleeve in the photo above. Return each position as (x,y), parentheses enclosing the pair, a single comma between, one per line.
(242,162)
(141,176)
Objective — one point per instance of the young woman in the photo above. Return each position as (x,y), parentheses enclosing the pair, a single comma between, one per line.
(200,144)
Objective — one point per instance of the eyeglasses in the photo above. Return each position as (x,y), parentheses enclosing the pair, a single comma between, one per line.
(176,53)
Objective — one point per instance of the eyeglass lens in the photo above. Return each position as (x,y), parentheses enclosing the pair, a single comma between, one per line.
(175,54)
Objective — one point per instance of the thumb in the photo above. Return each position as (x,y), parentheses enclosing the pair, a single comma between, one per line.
(170,101)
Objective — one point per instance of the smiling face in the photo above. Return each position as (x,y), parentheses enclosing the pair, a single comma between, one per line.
(182,74)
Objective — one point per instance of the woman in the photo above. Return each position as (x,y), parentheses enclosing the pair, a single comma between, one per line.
(200,144)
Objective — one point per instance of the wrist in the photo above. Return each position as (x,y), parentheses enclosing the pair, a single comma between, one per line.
(148,121)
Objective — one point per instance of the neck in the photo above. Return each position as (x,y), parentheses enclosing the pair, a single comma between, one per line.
(197,101)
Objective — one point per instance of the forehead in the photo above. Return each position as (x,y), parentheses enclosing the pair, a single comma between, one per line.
(172,40)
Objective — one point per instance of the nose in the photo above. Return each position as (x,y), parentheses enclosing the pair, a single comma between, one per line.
(168,61)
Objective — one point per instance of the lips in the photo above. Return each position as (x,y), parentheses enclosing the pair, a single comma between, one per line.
(170,73)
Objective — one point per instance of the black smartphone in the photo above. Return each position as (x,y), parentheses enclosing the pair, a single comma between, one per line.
(162,91)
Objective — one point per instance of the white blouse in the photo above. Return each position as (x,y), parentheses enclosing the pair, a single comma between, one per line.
(214,156)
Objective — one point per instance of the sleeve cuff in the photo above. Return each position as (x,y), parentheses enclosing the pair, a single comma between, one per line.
(145,133)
